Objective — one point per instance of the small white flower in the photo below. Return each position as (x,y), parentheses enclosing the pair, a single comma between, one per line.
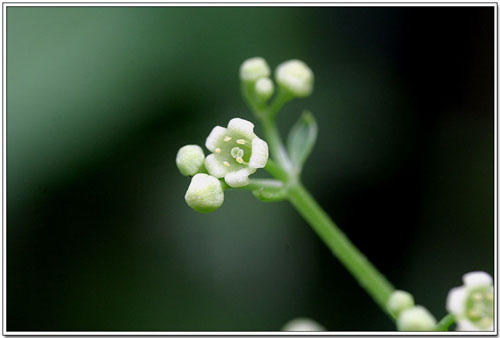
(416,318)
(236,152)
(400,301)
(190,159)
(302,324)
(295,77)
(472,303)
(205,193)
(254,69)
(264,88)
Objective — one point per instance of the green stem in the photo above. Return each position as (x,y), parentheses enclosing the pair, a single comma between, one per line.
(256,183)
(276,171)
(359,266)
(276,146)
(445,323)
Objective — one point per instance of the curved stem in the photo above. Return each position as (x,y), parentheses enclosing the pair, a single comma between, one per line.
(357,264)
(256,183)
(445,323)
(276,146)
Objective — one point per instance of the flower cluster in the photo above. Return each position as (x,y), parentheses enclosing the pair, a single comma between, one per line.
(294,78)
(236,153)
(410,317)
(472,303)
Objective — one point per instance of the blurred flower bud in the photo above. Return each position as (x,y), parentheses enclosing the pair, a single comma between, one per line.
(295,77)
(189,159)
(472,304)
(302,324)
(399,301)
(205,193)
(254,69)
(264,88)
(416,318)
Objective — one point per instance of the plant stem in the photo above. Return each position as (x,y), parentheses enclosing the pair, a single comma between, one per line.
(445,323)
(276,146)
(357,264)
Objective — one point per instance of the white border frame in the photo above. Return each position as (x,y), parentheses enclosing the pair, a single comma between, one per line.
(224,3)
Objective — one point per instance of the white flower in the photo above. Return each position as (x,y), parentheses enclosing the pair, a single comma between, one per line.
(472,303)
(295,77)
(190,159)
(236,152)
(302,324)
(254,69)
(264,88)
(416,318)
(400,301)
(205,193)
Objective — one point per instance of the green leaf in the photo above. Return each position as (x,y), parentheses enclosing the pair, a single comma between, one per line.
(302,138)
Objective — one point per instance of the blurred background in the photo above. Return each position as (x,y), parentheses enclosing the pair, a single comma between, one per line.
(99,100)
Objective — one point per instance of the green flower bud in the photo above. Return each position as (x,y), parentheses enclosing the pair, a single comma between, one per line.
(189,159)
(253,69)
(416,318)
(295,77)
(264,88)
(399,301)
(205,193)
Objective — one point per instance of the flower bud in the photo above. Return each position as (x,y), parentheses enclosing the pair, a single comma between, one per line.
(302,324)
(399,301)
(264,88)
(416,318)
(189,159)
(254,69)
(205,193)
(295,77)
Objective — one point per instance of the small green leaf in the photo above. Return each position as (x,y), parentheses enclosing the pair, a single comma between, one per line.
(302,138)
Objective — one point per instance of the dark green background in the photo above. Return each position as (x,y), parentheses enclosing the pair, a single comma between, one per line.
(99,99)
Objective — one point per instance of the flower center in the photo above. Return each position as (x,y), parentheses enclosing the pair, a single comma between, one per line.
(234,150)
(479,307)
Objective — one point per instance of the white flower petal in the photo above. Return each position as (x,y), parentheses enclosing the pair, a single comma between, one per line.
(260,153)
(477,278)
(238,178)
(215,167)
(244,127)
(303,325)
(215,135)
(465,325)
(455,303)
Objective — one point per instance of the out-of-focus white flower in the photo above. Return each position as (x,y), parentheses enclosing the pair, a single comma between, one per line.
(264,88)
(295,77)
(302,324)
(416,318)
(205,193)
(253,69)
(190,159)
(472,303)
(399,301)
(236,152)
